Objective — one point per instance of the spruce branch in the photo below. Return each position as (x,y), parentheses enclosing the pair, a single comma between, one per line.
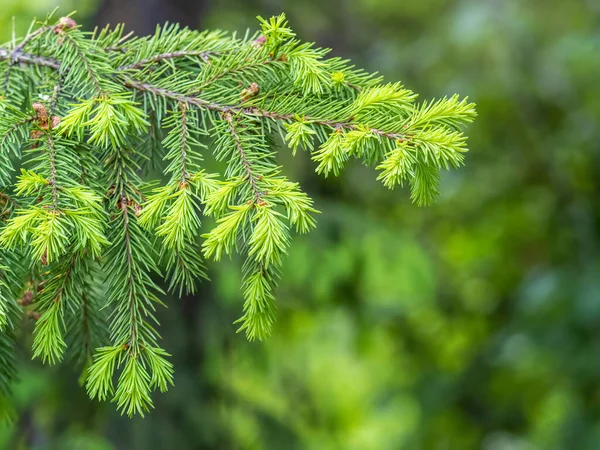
(88,117)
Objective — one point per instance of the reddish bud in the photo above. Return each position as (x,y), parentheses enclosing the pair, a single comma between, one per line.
(259,41)
(64,23)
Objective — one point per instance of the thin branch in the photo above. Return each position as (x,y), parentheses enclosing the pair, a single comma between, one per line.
(29,38)
(84,60)
(16,54)
(132,344)
(162,92)
(27,58)
(247,166)
(250,111)
(51,154)
(57,89)
(58,296)
(184,135)
(86,326)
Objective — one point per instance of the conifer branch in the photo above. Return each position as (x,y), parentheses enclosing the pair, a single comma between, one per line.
(132,345)
(57,291)
(126,104)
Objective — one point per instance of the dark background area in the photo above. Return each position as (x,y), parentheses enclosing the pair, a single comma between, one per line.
(473,323)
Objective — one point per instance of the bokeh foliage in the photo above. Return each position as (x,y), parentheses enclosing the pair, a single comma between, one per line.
(473,323)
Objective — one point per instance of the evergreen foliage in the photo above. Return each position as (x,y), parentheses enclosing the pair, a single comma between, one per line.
(85,116)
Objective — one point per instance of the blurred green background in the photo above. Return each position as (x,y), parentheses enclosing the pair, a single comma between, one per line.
(471,324)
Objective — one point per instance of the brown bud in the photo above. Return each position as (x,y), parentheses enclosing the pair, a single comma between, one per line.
(55,121)
(36,134)
(254,88)
(252,91)
(26,299)
(137,209)
(41,112)
(44,258)
(34,315)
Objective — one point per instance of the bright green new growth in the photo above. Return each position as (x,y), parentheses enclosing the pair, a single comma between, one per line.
(85,234)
